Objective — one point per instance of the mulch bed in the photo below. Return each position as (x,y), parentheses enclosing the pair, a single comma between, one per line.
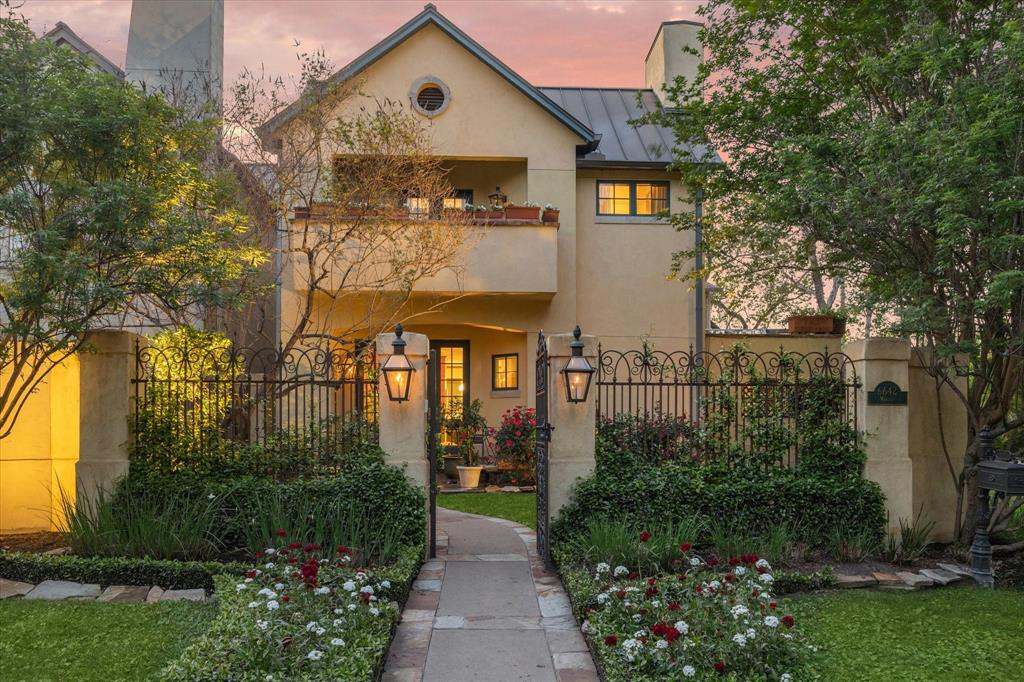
(42,541)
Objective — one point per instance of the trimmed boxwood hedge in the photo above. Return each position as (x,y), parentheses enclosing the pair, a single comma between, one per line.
(168,574)
(813,503)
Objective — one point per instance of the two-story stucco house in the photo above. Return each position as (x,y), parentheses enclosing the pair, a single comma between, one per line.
(603,265)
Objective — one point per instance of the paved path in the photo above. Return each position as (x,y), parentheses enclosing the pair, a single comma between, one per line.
(486,610)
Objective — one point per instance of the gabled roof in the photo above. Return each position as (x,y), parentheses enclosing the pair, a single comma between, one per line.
(430,15)
(61,34)
(608,112)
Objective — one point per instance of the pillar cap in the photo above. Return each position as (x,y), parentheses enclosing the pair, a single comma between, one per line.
(560,345)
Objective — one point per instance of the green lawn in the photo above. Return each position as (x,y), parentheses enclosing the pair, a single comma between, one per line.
(83,641)
(950,634)
(518,507)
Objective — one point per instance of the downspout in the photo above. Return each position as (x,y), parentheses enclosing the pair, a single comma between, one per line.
(699,265)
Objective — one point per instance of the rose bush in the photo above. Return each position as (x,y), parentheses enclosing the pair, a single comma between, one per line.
(302,613)
(710,620)
(515,439)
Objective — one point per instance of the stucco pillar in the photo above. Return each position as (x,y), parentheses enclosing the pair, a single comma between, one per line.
(106,370)
(403,425)
(886,427)
(571,453)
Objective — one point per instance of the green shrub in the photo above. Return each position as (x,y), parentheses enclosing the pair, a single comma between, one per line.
(623,544)
(168,574)
(759,503)
(369,506)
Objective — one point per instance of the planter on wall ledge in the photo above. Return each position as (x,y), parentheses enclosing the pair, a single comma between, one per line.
(838,326)
(488,215)
(810,324)
(549,216)
(522,212)
(469,477)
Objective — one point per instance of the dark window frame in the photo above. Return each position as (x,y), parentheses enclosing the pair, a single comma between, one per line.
(494,371)
(667,184)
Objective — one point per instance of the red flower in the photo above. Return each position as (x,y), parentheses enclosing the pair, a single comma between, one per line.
(311,548)
(611,640)
(285,599)
(685,546)
(672,634)
(682,577)
(659,629)
(633,575)
(292,560)
(773,605)
(281,532)
(250,574)
(342,549)
(621,594)
(651,581)
(650,592)
(644,536)
(674,606)
(294,545)
(733,561)
(788,621)
(720,666)
(728,577)
(712,562)
(259,555)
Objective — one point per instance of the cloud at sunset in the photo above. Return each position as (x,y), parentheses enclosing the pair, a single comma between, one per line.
(554,42)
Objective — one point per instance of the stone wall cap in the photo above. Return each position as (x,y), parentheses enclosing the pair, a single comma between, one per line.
(878,348)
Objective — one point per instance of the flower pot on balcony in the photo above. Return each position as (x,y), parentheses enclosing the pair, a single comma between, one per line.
(469,477)
(838,326)
(549,216)
(810,324)
(489,216)
(522,213)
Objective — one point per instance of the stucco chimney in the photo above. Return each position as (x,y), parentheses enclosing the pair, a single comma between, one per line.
(177,48)
(666,58)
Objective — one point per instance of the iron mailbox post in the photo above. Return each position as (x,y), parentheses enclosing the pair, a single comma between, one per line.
(996,472)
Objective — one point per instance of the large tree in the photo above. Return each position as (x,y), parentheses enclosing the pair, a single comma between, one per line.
(104,206)
(879,144)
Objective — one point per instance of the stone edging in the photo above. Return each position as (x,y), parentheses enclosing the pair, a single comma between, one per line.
(942,575)
(57,590)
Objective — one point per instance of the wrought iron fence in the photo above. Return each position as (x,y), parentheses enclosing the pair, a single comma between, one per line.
(297,411)
(730,405)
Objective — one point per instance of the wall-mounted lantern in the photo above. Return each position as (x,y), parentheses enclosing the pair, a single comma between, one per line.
(497,198)
(578,372)
(398,370)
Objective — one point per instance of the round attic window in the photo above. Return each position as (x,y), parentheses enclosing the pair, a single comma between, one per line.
(429,96)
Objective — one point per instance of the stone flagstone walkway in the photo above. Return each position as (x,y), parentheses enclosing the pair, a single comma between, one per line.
(486,610)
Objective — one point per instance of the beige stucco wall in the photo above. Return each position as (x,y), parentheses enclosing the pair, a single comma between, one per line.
(762,343)
(38,459)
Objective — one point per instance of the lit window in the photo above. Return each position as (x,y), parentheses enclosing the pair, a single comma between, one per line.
(418,206)
(632,198)
(613,198)
(505,372)
(454,202)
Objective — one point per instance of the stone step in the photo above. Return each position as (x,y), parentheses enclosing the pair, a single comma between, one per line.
(941,576)
(959,569)
(14,588)
(154,594)
(198,594)
(124,593)
(853,581)
(914,580)
(63,589)
(888,579)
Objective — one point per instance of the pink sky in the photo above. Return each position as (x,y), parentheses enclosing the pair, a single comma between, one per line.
(553,42)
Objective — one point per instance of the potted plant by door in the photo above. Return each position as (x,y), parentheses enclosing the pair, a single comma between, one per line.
(550,214)
(452,459)
(524,211)
(488,213)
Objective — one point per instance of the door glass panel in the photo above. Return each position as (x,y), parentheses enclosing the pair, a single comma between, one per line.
(453,388)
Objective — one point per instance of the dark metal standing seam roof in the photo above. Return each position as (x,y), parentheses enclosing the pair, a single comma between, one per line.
(608,112)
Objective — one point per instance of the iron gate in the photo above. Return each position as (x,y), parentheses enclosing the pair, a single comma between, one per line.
(433,434)
(544,430)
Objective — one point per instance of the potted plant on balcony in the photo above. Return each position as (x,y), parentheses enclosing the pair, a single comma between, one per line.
(488,213)
(524,211)
(550,214)
(464,429)
(811,321)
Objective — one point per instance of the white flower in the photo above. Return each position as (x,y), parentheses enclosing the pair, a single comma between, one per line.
(771,621)
(585,627)
(351,607)
(312,625)
(632,645)
(620,571)
(695,561)
(348,586)
(269,564)
(210,496)
(766,578)
(740,570)
(267,592)
(715,584)
(315,655)
(385,584)
(662,644)
(751,633)
(786,677)
(270,551)
(637,617)
(272,605)
(338,622)
(603,568)
(689,671)
(740,639)
(603,597)
(739,610)
(269,677)
(239,587)
(655,603)
(366,589)
(338,612)
(253,604)
(682,627)
(337,641)
(322,590)
(262,624)
(763,563)
(374,611)
(278,586)
(320,631)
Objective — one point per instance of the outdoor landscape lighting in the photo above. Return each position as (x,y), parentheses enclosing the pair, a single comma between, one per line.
(397,369)
(577,372)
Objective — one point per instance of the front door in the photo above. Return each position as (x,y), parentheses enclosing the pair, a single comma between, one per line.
(453,367)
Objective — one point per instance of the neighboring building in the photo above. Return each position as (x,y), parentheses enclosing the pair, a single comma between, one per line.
(603,266)
(61,34)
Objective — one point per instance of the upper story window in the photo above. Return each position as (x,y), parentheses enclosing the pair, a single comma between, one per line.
(632,197)
(429,96)
(505,372)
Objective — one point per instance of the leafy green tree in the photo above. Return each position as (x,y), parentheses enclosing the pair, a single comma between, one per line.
(880,144)
(104,205)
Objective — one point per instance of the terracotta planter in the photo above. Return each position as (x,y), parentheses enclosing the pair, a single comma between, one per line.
(549,216)
(810,324)
(469,477)
(397,213)
(488,215)
(838,326)
(301,212)
(522,212)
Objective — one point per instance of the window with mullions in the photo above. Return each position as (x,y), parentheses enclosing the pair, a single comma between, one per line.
(631,197)
(505,372)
